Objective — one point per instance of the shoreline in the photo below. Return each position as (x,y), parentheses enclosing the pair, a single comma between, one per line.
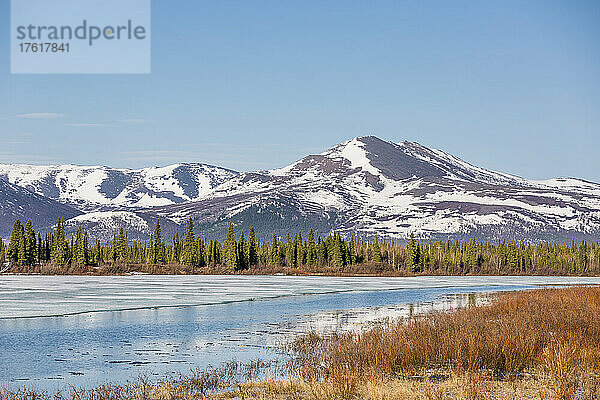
(293,273)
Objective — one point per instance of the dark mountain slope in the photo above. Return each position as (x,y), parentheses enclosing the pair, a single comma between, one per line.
(18,203)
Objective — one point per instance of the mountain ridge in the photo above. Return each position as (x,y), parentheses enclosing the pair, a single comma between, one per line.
(101,188)
(364,186)
(383,192)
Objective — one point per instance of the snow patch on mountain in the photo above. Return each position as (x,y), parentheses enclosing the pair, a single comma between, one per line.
(572,185)
(104,216)
(161,179)
(353,151)
(94,188)
(104,224)
(81,184)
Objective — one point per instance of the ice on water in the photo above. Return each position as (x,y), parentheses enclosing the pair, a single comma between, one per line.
(35,296)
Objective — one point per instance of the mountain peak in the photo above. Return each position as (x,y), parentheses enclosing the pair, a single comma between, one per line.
(394,161)
(367,186)
(384,158)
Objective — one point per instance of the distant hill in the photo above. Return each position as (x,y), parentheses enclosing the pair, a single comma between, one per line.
(104,188)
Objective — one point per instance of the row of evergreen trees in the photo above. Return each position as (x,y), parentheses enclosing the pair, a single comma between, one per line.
(241,252)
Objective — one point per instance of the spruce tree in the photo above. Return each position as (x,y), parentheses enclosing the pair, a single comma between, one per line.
(296,252)
(22,253)
(86,253)
(290,249)
(122,245)
(301,250)
(159,248)
(252,248)
(376,251)
(311,249)
(30,244)
(2,252)
(338,252)
(412,254)
(15,240)
(150,253)
(177,248)
(275,257)
(351,252)
(230,248)
(40,249)
(322,252)
(60,250)
(201,253)
(211,253)
(114,249)
(78,248)
(189,253)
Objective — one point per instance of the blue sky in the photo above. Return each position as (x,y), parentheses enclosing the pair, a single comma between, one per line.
(508,85)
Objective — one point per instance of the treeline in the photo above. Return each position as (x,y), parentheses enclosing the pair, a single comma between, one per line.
(311,254)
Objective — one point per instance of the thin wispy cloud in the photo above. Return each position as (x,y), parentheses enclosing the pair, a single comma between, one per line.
(26,158)
(39,115)
(137,121)
(91,125)
(19,138)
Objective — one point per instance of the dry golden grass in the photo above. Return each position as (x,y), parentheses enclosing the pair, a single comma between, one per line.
(555,332)
(516,331)
(464,387)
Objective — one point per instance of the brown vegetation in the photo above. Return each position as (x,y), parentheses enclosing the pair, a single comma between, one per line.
(119,268)
(551,333)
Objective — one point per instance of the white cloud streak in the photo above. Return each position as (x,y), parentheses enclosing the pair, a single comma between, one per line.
(91,125)
(137,121)
(39,115)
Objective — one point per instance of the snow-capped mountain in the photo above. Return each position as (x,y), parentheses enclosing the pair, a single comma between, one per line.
(102,188)
(19,203)
(367,186)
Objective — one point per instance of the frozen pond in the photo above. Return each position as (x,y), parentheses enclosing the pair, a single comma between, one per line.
(82,331)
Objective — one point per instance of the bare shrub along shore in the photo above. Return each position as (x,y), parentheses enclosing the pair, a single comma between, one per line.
(549,333)
(540,344)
